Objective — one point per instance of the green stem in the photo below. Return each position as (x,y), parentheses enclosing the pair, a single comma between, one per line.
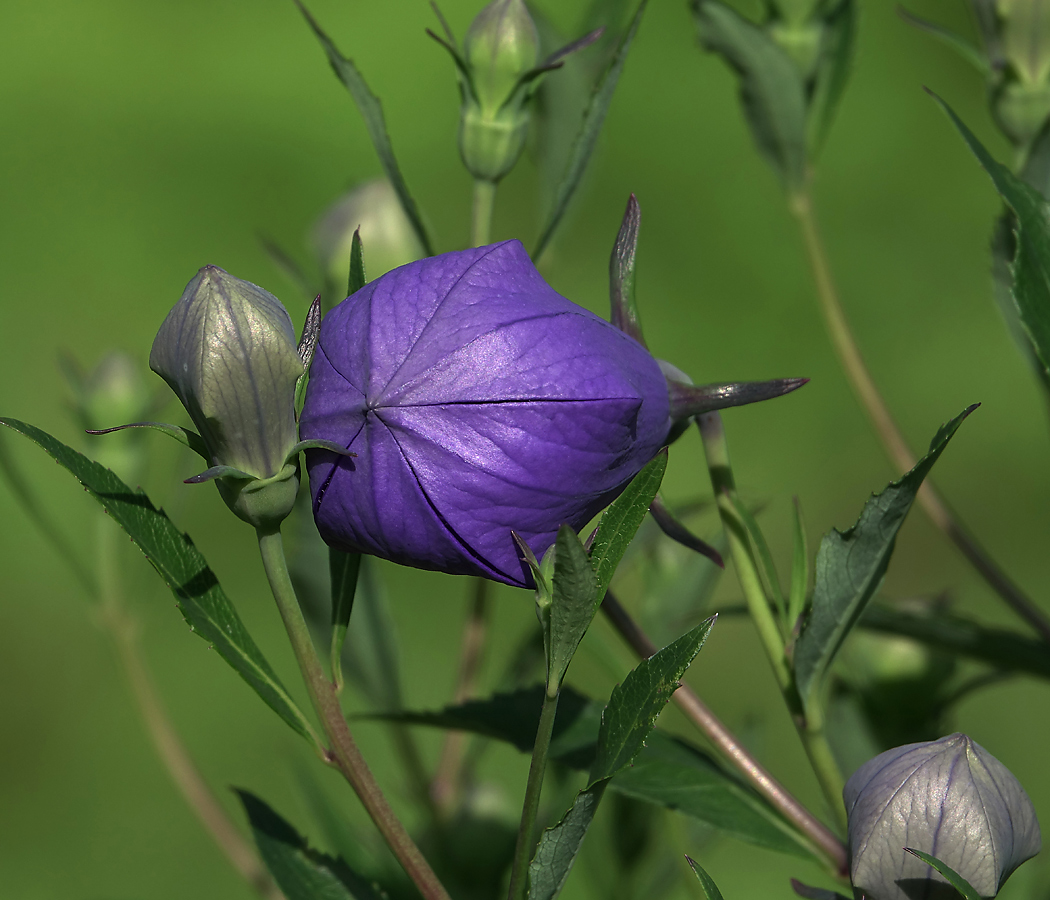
(808,722)
(893,441)
(343,753)
(519,881)
(484,205)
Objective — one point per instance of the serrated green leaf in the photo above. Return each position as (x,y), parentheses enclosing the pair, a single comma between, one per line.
(634,705)
(343,569)
(372,112)
(850,567)
(771,87)
(301,873)
(954,878)
(707,883)
(621,521)
(1031,265)
(574,601)
(201,600)
(590,127)
(357,278)
(829,83)
(560,844)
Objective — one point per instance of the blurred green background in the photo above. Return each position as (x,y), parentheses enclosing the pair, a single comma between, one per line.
(141,141)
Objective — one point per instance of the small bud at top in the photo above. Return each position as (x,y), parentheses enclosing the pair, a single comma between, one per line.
(501,46)
(228,350)
(949,798)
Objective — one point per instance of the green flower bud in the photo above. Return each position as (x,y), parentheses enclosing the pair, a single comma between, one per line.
(1024,34)
(1021,110)
(501,46)
(386,233)
(228,350)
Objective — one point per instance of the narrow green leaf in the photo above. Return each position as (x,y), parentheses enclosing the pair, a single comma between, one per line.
(301,873)
(850,567)
(800,570)
(954,878)
(370,654)
(1031,265)
(560,845)
(707,883)
(836,58)
(762,554)
(771,88)
(957,42)
(591,126)
(634,705)
(622,300)
(357,279)
(203,603)
(343,569)
(574,602)
(622,519)
(372,112)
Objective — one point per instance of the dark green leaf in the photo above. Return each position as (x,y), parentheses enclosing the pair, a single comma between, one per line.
(957,42)
(836,58)
(1031,265)
(621,521)
(574,602)
(635,704)
(850,567)
(370,655)
(1005,650)
(357,279)
(622,300)
(771,88)
(203,603)
(593,118)
(954,878)
(707,883)
(372,112)
(301,873)
(560,845)
(343,569)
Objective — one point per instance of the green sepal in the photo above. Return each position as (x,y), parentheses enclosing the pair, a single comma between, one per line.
(219,472)
(319,444)
(184,436)
(622,300)
(954,878)
(707,883)
(356,279)
(957,42)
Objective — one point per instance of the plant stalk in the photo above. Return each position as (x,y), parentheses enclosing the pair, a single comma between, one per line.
(343,753)
(725,742)
(801,205)
(519,881)
(484,206)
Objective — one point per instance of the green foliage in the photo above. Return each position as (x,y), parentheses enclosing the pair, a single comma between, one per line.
(707,883)
(343,569)
(622,300)
(574,602)
(356,279)
(201,600)
(954,878)
(301,873)
(850,567)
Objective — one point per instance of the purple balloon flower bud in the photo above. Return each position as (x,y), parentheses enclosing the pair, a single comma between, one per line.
(949,798)
(478,400)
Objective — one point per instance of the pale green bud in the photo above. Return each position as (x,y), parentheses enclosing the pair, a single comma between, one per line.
(228,350)
(1024,34)
(501,46)
(387,235)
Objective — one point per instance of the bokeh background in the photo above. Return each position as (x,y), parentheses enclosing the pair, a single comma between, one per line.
(141,141)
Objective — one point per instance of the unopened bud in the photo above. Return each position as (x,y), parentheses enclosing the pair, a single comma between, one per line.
(501,46)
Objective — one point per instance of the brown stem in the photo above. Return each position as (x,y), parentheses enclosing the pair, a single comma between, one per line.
(733,751)
(893,441)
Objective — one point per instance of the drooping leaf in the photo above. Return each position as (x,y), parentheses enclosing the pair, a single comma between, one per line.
(634,705)
(836,58)
(771,87)
(1031,265)
(574,602)
(343,569)
(590,127)
(954,878)
(560,844)
(620,522)
(200,598)
(850,567)
(357,278)
(707,883)
(301,873)
(372,112)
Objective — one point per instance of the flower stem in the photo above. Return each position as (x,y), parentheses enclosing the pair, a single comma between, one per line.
(484,205)
(801,205)
(446,785)
(725,742)
(808,724)
(343,753)
(519,872)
